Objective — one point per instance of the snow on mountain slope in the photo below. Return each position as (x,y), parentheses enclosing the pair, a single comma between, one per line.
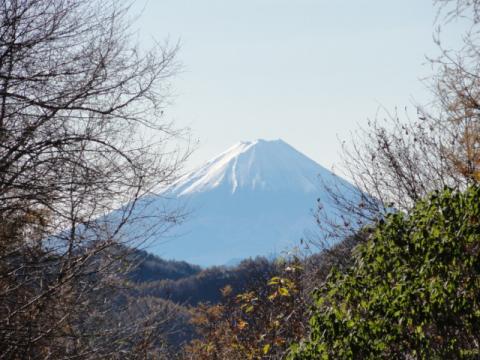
(259,165)
(256,198)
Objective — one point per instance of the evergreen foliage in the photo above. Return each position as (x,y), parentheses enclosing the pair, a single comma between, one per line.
(413,291)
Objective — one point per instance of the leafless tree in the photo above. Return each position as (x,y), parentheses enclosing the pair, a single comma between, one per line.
(398,158)
(81,134)
(451,9)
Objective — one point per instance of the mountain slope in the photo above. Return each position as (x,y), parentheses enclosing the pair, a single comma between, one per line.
(256,198)
(258,165)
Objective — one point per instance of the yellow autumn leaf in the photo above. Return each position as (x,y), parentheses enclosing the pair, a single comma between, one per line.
(242,324)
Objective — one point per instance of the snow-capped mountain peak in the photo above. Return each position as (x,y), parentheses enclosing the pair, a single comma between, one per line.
(255,198)
(257,165)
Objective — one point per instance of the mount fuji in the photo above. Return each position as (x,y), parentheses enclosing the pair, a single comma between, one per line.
(256,198)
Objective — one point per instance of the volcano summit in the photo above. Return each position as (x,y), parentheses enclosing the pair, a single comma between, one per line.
(256,198)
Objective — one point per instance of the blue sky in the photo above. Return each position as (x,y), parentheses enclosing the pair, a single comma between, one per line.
(306,71)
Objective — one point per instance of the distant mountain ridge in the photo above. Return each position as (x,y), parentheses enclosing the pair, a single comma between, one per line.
(254,199)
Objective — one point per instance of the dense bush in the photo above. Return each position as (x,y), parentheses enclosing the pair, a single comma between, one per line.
(413,291)
(259,323)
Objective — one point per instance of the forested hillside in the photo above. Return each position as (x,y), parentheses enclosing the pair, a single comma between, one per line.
(149,267)
(184,296)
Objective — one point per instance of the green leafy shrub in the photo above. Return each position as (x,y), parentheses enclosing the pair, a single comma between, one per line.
(413,291)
